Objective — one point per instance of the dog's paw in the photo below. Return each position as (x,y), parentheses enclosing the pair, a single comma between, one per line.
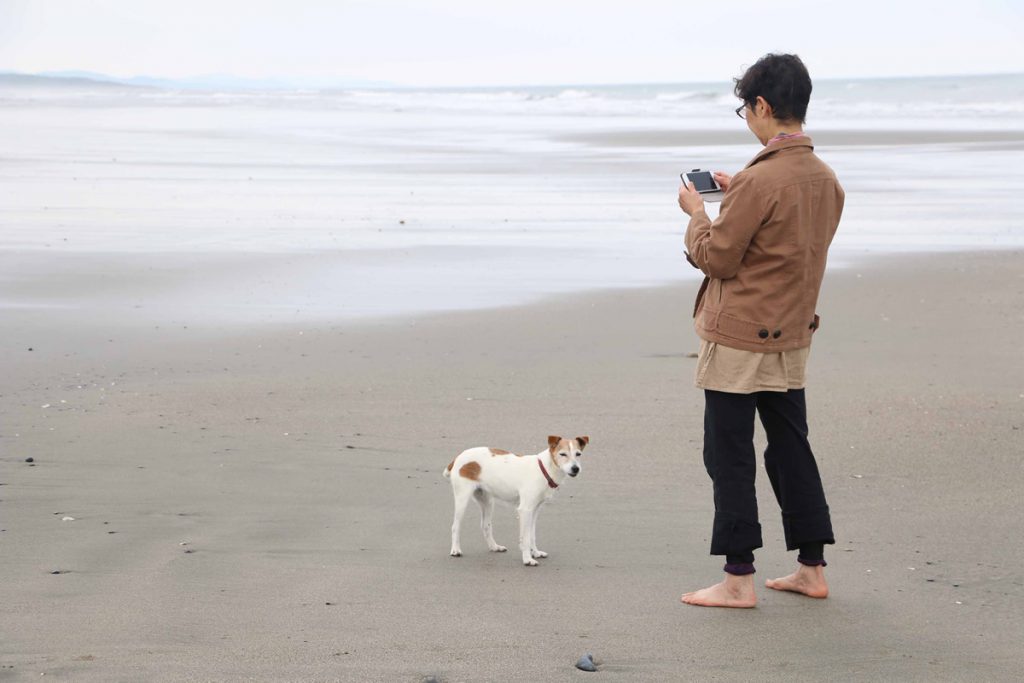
(456,553)
(530,563)
(538,554)
(499,549)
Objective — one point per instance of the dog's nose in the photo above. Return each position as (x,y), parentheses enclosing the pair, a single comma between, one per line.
(574,471)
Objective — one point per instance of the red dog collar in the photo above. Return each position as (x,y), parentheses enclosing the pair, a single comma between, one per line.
(551,482)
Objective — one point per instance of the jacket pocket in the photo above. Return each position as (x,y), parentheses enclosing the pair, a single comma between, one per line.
(707,319)
(743,330)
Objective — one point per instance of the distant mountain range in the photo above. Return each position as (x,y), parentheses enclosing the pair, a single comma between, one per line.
(92,79)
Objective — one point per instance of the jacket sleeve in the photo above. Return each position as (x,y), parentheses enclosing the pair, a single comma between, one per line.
(718,248)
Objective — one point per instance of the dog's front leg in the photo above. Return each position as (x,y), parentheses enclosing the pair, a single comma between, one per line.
(526,535)
(534,550)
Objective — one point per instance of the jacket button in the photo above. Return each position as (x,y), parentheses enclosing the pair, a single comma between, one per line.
(776,334)
(763,334)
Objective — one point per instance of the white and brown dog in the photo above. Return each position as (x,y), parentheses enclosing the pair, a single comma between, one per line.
(525,481)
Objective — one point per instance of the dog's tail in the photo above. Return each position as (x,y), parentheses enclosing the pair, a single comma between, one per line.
(448,470)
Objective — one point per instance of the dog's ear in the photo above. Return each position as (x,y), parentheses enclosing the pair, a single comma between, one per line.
(582,441)
(553,441)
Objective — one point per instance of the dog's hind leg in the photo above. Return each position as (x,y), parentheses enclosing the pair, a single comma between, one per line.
(462,495)
(486,513)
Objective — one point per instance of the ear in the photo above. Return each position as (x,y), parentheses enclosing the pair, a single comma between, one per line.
(582,441)
(553,441)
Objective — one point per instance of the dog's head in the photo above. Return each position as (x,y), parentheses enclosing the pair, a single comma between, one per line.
(565,453)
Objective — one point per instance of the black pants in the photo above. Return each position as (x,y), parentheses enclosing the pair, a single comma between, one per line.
(731,463)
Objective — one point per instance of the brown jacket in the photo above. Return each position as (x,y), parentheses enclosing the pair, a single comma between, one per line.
(764,256)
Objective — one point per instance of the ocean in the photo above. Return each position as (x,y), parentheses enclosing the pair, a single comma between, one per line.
(416,200)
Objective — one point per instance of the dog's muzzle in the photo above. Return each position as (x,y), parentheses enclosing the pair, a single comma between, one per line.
(574,471)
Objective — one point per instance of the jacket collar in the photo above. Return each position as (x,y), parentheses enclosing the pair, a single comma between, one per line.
(777,147)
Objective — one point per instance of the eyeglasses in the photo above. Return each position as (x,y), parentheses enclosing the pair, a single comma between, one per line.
(741,111)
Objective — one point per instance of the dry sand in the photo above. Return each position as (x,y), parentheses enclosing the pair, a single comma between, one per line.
(302,469)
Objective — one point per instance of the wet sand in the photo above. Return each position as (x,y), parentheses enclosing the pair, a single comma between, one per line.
(266,502)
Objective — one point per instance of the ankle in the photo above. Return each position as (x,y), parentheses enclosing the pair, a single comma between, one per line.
(810,571)
(739,583)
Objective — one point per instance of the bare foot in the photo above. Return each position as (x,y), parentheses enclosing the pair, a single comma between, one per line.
(806,580)
(735,591)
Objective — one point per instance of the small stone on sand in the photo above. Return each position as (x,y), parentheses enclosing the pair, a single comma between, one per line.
(586,663)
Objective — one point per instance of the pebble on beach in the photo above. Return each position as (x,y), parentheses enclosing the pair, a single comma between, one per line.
(586,663)
(30,459)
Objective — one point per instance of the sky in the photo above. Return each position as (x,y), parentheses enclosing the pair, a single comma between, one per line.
(475,42)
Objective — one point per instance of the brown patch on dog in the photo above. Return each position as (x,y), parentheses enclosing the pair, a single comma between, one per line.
(582,441)
(471,470)
(495,452)
(555,443)
(451,465)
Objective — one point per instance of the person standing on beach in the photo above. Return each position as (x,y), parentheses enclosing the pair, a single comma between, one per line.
(764,259)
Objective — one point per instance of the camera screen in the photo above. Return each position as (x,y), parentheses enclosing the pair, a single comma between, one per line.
(702,181)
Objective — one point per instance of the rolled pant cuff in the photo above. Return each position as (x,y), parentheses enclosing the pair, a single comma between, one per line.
(739,569)
(731,536)
(806,527)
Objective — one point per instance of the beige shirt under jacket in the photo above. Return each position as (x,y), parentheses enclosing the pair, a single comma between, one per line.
(736,371)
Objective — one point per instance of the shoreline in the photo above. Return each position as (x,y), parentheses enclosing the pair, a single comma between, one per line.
(823,137)
(206,289)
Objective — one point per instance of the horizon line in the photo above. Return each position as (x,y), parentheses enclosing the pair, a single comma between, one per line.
(287,82)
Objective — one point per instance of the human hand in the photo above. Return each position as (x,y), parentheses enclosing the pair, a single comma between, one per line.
(689,199)
(723,179)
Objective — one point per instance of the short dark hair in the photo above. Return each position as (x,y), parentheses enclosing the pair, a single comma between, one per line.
(782,80)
